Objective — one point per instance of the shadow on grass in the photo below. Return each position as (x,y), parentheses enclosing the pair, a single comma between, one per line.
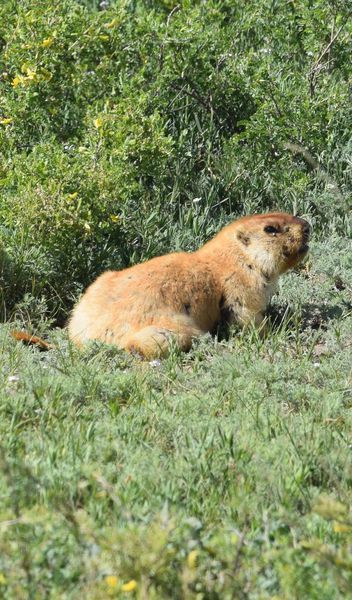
(311,316)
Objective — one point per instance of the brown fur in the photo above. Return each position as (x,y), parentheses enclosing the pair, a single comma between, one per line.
(182,295)
(27,338)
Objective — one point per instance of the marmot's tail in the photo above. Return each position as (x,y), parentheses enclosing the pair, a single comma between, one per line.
(27,338)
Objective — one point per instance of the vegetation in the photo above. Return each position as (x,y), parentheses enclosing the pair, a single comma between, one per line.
(128,129)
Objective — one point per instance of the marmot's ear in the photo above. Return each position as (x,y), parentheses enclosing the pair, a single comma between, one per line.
(243,237)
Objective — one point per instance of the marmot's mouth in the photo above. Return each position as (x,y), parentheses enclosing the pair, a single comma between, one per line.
(303,249)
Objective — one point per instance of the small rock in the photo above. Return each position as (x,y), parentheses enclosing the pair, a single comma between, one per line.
(339,284)
(155,363)
(320,350)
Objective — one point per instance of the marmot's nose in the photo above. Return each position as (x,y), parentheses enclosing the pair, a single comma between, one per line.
(306,228)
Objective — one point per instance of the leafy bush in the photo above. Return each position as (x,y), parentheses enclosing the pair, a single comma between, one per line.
(129,129)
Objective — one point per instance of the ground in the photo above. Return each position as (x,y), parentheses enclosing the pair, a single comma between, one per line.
(221,473)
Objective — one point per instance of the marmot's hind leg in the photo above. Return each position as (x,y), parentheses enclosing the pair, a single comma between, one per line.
(155,342)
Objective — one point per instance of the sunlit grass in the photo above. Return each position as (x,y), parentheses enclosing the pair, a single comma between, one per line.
(198,474)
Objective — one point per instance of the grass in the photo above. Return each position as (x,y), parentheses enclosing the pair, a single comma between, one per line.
(221,473)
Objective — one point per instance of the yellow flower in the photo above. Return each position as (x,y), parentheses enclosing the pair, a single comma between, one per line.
(31,74)
(6,121)
(72,196)
(101,494)
(341,527)
(112,23)
(192,559)
(130,586)
(114,218)
(47,42)
(17,80)
(104,38)
(98,122)
(111,581)
(2,579)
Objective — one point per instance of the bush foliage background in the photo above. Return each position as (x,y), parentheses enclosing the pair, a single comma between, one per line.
(133,128)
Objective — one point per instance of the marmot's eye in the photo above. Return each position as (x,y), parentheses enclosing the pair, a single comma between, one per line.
(271,229)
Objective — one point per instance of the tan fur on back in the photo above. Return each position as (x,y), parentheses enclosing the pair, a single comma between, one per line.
(182,295)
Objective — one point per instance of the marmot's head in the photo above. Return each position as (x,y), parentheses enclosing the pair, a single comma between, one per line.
(275,242)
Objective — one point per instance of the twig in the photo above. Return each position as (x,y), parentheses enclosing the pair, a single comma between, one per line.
(314,164)
(193,94)
(298,149)
(317,65)
(162,45)
(174,10)
(319,59)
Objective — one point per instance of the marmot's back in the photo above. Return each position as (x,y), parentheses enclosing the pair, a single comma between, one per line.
(118,303)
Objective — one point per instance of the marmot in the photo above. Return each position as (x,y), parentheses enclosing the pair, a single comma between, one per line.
(182,295)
